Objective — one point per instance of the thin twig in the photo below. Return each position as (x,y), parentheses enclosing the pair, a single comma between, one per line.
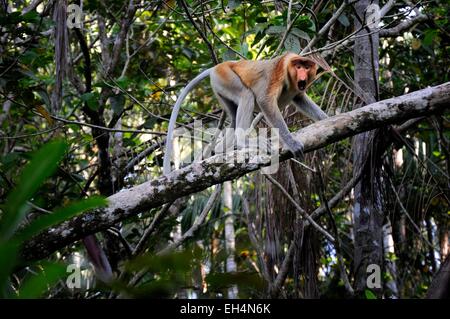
(337,243)
(275,288)
(256,242)
(202,35)
(31,134)
(290,25)
(106,129)
(143,241)
(325,28)
(197,223)
(299,209)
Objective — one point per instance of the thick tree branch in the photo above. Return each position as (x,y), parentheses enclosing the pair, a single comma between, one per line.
(221,167)
(403,26)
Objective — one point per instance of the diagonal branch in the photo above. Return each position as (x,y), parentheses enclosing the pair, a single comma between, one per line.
(403,26)
(221,167)
(125,24)
(197,223)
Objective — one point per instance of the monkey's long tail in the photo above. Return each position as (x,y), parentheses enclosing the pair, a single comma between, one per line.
(173,118)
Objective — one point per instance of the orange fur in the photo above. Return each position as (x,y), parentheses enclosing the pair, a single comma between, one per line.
(302,74)
(277,78)
(246,73)
(223,70)
(312,73)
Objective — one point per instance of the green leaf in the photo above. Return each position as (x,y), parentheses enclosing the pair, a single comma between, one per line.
(9,161)
(42,165)
(276,29)
(35,286)
(150,122)
(244,49)
(28,57)
(117,103)
(259,36)
(91,100)
(430,34)
(292,43)
(31,16)
(369,294)
(123,82)
(61,215)
(301,34)
(8,253)
(13,18)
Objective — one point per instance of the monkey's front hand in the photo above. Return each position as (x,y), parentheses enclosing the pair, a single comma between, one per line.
(296,148)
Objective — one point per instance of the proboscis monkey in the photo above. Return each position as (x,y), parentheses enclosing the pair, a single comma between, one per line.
(267,85)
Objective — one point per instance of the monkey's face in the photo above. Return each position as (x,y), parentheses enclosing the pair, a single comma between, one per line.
(305,71)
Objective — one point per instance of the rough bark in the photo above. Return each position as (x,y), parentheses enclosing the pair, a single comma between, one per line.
(220,168)
(368,212)
(61,44)
(440,286)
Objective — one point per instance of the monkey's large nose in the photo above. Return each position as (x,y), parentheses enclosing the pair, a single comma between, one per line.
(302,85)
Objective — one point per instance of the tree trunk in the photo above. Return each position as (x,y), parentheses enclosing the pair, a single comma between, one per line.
(368,208)
(440,286)
(230,244)
(61,45)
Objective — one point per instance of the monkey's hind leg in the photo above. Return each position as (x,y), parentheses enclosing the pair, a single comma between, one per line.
(225,142)
(244,117)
